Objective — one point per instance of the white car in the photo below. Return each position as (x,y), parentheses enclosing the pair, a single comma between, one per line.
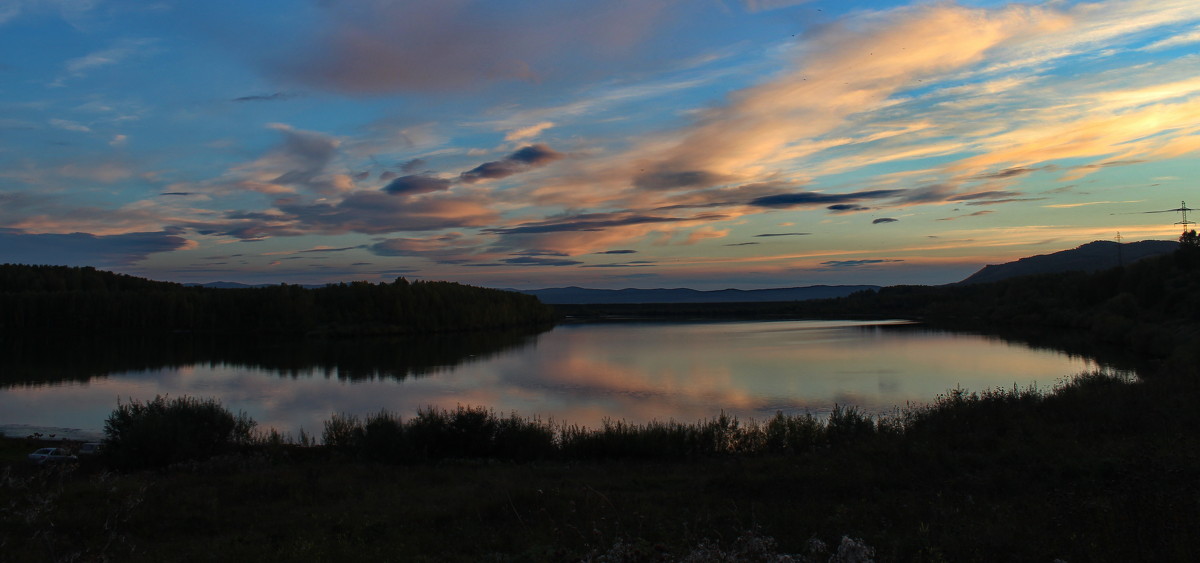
(51,455)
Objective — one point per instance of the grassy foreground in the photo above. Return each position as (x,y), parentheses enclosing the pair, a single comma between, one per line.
(1099,469)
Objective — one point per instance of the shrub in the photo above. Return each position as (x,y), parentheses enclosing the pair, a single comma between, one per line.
(383,438)
(343,431)
(792,434)
(465,432)
(522,439)
(165,431)
(846,425)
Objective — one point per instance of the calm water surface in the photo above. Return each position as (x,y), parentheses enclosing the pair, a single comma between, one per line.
(580,374)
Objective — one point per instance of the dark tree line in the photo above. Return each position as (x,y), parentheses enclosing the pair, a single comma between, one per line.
(61,298)
(1150,308)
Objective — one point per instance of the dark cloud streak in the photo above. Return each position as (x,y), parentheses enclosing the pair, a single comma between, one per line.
(856,263)
(995,194)
(802,199)
(595,222)
(1006,173)
(343,249)
(527,158)
(85,249)
(535,261)
(277,96)
(634,264)
(416,184)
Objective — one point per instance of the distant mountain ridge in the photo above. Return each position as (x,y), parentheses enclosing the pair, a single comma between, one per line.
(585,296)
(1090,257)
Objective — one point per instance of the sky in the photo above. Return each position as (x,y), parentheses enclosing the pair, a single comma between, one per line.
(646,143)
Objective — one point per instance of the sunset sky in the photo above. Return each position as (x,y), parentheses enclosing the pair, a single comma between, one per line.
(704,143)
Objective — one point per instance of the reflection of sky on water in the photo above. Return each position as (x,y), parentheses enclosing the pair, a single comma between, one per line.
(585,373)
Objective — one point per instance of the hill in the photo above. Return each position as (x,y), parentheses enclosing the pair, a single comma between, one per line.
(1150,307)
(584,296)
(1090,257)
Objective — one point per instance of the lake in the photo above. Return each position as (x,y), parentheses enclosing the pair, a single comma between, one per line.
(575,373)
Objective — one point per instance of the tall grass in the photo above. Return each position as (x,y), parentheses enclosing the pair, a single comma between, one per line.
(466,432)
(161,431)
(478,432)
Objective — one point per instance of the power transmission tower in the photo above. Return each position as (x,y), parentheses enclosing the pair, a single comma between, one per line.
(1183,220)
(1182,210)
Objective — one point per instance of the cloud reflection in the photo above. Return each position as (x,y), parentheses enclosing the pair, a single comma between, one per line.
(584,374)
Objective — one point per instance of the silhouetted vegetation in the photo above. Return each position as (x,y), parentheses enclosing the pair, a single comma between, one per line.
(1101,468)
(1148,308)
(475,432)
(1189,239)
(1151,307)
(164,431)
(440,434)
(61,299)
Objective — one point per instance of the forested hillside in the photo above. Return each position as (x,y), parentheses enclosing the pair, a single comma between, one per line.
(60,298)
(1151,307)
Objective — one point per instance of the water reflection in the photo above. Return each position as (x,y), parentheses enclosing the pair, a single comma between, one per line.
(80,358)
(574,373)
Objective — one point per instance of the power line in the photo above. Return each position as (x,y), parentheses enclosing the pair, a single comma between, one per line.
(1182,210)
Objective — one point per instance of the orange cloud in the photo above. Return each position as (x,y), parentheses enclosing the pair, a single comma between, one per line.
(848,70)
(764,130)
(1117,136)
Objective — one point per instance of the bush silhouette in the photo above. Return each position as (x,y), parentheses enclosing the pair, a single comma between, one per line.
(166,431)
